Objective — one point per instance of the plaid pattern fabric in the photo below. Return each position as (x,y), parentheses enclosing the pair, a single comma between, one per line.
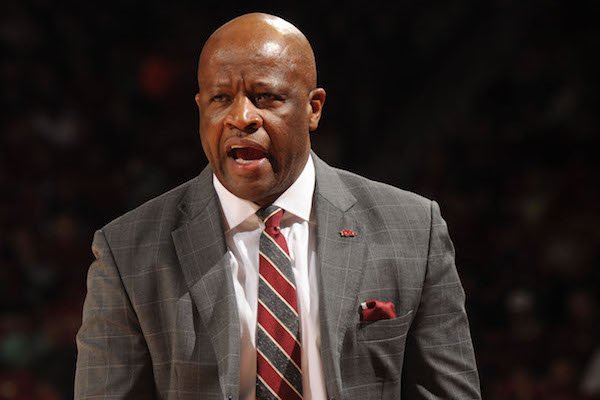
(160,320)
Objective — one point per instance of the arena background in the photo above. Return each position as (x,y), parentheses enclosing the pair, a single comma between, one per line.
(488,107)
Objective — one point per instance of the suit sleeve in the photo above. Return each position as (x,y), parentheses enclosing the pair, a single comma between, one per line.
(112,357)
(439,359)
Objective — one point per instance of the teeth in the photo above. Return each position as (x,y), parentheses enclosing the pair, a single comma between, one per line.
(242,161)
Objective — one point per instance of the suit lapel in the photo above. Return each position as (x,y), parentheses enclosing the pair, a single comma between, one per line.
(205,262)
(341,261)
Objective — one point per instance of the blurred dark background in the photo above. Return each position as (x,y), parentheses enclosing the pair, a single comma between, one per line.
(488,107)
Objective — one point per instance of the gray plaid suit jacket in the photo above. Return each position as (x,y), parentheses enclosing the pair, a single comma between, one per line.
(160,318)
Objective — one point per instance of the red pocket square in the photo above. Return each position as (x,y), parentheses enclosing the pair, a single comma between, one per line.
(374,310)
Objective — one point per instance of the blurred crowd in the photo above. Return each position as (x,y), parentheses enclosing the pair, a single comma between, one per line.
(488,108)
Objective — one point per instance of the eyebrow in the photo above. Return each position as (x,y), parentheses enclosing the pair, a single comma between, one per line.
(258,85)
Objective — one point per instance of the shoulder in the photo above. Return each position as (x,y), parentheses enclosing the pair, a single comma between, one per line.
(376,191)
(380,207)
(369,192)
(162,211)
(347,188)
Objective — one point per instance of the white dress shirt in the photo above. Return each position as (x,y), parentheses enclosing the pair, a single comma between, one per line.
(242,233)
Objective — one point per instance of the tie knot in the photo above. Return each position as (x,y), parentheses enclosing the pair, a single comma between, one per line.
(270,215)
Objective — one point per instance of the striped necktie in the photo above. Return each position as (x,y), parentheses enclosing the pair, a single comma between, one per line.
(278,366)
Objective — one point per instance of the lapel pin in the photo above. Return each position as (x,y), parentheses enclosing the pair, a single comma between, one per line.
(347,233)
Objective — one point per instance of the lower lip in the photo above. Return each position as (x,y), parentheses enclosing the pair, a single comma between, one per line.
(246,166)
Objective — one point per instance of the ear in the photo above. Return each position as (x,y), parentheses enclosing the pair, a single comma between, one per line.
(315,104)
(197,98)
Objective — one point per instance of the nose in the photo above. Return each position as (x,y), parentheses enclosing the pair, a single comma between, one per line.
(243,115)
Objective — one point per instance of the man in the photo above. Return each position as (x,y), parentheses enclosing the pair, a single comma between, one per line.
(272,274)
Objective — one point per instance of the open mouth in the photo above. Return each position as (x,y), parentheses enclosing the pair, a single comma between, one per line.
(246,155)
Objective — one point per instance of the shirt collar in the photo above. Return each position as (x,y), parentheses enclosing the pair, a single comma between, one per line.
(297,199)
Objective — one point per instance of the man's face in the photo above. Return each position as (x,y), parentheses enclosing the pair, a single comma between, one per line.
(256,111)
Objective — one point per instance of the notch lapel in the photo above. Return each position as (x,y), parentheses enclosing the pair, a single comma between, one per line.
(203,256)
(341,261)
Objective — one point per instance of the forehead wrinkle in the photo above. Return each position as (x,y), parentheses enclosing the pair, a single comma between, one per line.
(268,78)
(285,63)
(268,56)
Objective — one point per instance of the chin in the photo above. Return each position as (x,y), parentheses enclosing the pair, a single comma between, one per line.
(259,190)
(263,198)
(253,194)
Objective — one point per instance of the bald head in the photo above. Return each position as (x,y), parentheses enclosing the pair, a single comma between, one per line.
(258,103)
(260,35)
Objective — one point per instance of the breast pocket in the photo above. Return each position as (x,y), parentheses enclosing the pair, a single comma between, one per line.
(384,329)
(383,343)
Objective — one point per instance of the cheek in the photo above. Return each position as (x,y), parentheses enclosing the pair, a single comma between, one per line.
(209,133)
(293,131)
(210,146)
(298,138)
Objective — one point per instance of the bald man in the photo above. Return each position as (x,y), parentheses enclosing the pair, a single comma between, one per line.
(352,293)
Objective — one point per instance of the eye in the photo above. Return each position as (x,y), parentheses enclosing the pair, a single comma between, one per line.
(266,98)
(220,98)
